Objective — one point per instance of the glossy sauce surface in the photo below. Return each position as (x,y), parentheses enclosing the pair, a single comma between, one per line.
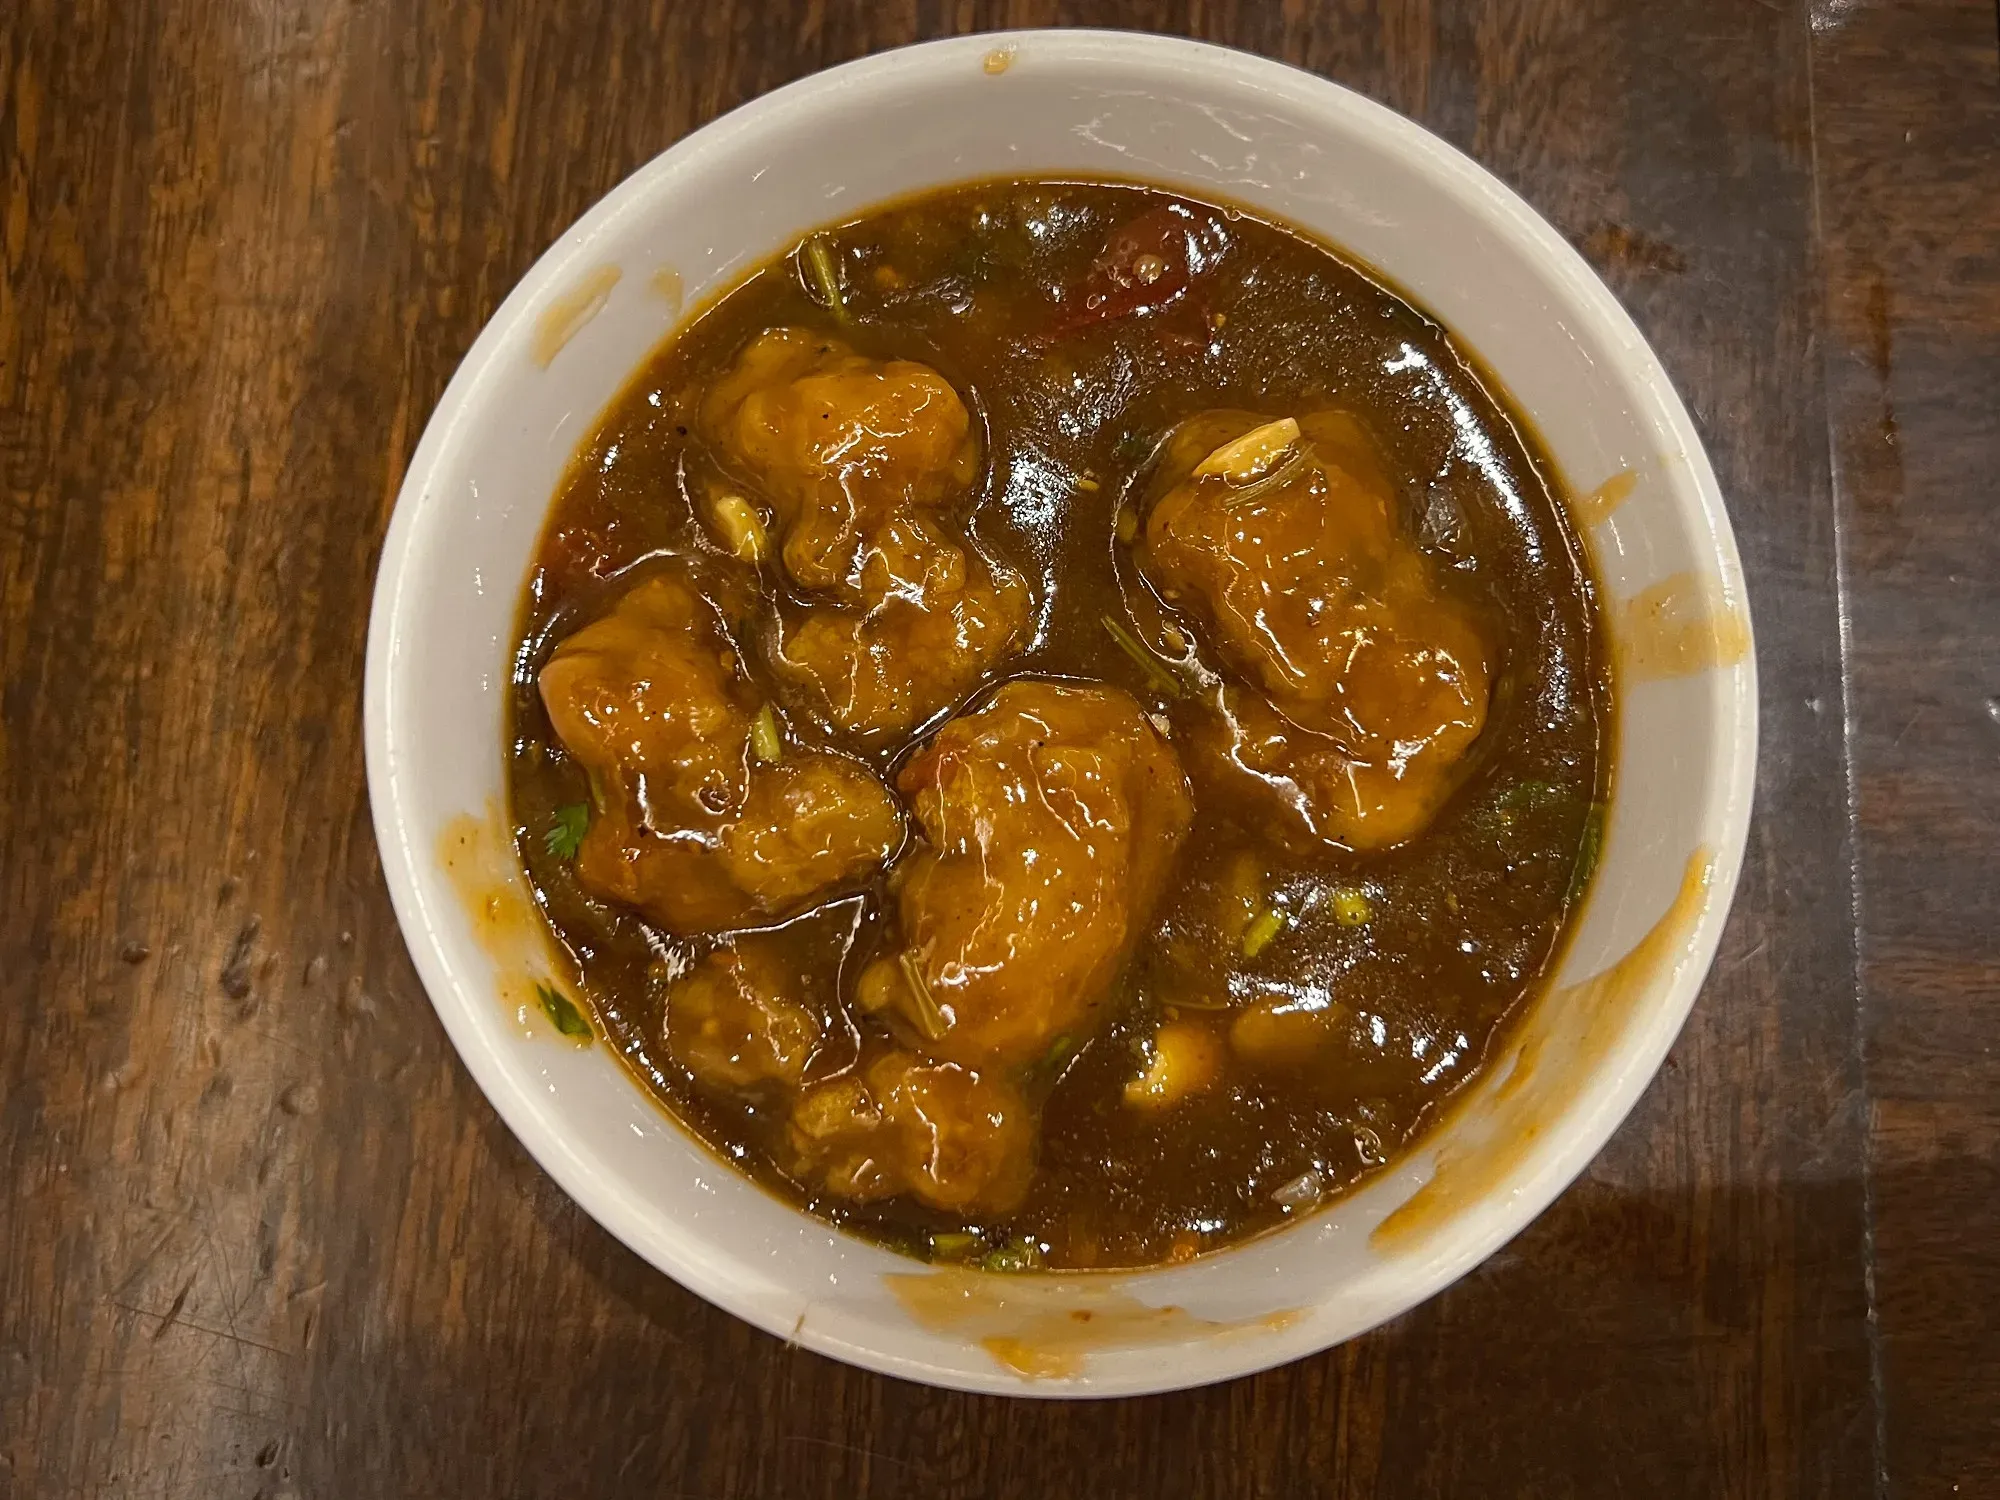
(1058,724)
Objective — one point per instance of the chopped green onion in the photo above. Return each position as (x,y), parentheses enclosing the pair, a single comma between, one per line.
(1132,445)
(929,1018)
(1351,907)
(1589,849)
(1260,932)
(1018,1254)
(563,1014)
(1048,1069)
(825,276)
(1527,794)
(953,1245)
(1155,670)
(565,833)
(1521,799)
(765,741)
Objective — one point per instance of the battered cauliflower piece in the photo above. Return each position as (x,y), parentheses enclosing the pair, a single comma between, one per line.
(692,827)
(1049,819)
(860,461)
(1368,681)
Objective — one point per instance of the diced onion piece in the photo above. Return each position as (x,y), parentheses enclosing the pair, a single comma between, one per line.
(1251,455)
(1302,1191)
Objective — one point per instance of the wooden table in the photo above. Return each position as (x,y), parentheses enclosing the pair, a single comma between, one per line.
(260,1235)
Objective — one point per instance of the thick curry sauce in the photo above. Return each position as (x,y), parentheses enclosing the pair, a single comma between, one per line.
(1058,723)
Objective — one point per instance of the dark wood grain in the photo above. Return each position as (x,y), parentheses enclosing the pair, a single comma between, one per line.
(259,1233)
(1908,110)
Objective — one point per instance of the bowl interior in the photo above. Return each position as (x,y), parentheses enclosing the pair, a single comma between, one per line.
(1213,123)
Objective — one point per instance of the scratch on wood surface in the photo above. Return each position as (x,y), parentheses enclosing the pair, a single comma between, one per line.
(1908,725)
(152,1251)
(173,1312)
(278,1397)
(228,1279)
(636,1449)
(872,1455)
(281,1041)
(1737,963)
(183,1321)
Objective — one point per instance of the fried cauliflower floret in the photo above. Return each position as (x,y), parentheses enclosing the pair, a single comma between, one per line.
(691,826)
(1366,681)
(735,1021)
(954,1137)
(860,461)
(1049,820)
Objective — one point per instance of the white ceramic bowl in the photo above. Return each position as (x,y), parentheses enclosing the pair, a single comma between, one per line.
(1213,123)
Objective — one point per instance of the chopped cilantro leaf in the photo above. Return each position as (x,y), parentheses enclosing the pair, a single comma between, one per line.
(565,834)
(563,1014)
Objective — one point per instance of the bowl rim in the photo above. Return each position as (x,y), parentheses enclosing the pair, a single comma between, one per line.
(1474,1237)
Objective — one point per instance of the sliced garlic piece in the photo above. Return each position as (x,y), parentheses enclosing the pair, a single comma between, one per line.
(741,527)
(1252,455)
